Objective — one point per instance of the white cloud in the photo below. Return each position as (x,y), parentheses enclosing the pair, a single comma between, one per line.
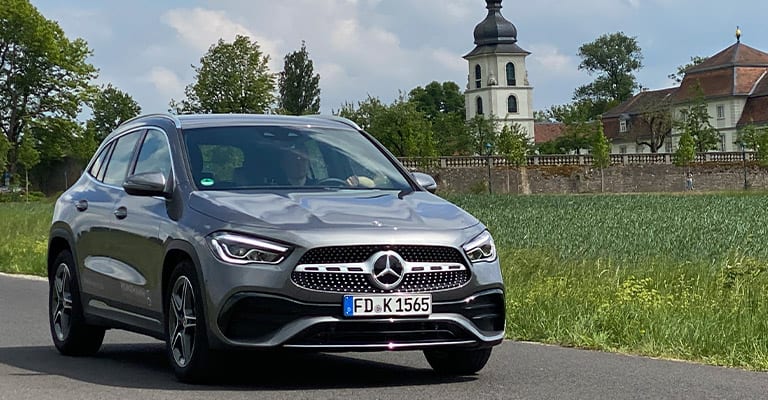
(201,28)
(166,82)
(548,58)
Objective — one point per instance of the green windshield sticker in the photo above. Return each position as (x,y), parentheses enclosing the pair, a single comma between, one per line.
(206,181)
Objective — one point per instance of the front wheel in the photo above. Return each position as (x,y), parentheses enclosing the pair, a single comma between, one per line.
(457,361)
(186,339)
(71,335)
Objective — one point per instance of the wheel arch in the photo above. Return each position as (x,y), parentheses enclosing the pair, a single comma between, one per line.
(60,239)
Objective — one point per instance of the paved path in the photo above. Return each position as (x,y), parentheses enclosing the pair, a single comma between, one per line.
(133,367)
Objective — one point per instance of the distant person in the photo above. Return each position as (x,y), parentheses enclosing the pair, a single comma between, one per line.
(689,181)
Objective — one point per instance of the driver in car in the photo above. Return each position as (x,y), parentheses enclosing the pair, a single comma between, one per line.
(295,162)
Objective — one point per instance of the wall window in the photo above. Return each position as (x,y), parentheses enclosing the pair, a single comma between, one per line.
(639,148)
(511,81)
(479,102)
(623,149)
(512,104)
(622,125)
(668,145)
(722,142)
(478,75)
(720,111)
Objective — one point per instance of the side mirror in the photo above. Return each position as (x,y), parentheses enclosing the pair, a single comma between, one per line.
(147,184)
(425,181)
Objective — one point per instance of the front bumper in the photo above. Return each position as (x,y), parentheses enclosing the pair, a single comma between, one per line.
(252,319)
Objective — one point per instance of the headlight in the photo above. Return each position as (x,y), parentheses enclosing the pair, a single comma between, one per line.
(481,248)
(239,249)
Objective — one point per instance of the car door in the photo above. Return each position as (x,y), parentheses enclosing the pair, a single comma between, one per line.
(95,202)
(136,240)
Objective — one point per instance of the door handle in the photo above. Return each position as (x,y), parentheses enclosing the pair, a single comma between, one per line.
(81,205)
(121,212)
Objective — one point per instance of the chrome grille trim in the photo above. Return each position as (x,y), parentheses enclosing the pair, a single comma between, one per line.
(367,268)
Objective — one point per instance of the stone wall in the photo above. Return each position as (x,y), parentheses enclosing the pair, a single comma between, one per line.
(586,179)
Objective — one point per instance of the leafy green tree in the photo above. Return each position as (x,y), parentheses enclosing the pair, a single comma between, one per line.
(686,149)
(44,76)
(695,120)
(111,107)
(443,106)
(601,153)
(28,157)
(657,117)
(755,138)
(484,133)
(232,78)
(680,74)
(614,58)
(577,133)
(298,85)
(513,143)
(404,130)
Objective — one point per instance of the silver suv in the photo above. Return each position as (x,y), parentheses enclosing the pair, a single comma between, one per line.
(214,232)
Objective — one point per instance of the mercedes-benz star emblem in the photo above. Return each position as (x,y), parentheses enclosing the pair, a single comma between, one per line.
(388,269)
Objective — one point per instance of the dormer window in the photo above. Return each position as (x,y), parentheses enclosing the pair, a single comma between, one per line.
(623,126)
(478,77)
(511,81)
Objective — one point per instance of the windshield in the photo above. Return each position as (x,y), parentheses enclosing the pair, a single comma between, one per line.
(280,157)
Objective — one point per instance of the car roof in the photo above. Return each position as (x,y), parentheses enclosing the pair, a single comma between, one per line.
(191,121)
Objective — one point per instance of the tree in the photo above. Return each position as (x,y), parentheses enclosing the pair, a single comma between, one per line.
(755,138)
(232,78)
(44,76)
(614,58)
(577,133)
(400,127)
(484,133)
(680,74)
(686,149)
(513,143)
(111,107)
(28,157)
(601,153)
(695,120)
(298,85)
(657,117)
(443,106)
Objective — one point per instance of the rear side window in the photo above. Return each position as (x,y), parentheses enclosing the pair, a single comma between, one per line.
(121,158)
(98,165)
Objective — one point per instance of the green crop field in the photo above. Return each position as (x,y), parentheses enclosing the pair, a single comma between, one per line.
(680,276)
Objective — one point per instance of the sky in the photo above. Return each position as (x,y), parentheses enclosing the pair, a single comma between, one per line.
(384,47)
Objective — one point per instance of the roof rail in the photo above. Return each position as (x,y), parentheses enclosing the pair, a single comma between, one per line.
(175,119)
(337,118)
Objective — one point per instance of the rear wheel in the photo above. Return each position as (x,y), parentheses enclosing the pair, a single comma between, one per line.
(186,339)
(71,335)
(457,361)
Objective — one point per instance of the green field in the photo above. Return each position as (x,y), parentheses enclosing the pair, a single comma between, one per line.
(679,276)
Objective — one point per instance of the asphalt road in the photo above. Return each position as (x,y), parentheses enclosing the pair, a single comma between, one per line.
(133,367)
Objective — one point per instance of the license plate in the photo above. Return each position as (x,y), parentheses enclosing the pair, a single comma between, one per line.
(382,305)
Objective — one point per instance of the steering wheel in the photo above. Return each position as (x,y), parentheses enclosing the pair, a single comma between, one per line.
(336,181)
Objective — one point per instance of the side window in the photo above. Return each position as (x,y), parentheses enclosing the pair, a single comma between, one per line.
(98,165)
(154,155)
(121,158)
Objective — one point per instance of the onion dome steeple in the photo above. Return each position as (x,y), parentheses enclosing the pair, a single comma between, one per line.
(495,28)
(495,34)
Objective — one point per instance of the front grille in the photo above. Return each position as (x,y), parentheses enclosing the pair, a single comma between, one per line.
(358,254)
(360,283)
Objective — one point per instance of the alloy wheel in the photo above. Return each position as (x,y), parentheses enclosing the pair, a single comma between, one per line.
(61,300)
(182,321)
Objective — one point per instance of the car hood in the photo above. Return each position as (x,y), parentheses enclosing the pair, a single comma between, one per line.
(332,210)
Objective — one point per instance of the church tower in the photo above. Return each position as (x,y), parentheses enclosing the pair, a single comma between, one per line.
(498,80)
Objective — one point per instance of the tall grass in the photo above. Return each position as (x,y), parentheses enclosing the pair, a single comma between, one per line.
(661,275)
(24,237)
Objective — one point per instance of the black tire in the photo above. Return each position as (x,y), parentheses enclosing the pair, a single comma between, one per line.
(70,334)
(457,361)
(186,340)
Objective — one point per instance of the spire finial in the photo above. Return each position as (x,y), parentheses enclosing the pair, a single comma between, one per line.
(738,34)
